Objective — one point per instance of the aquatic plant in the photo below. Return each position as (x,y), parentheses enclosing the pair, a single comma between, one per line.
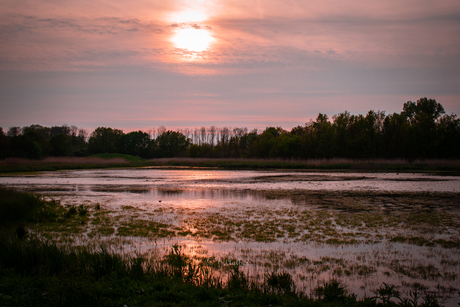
(385,293)
(279,282)
(71,211)
(333,291)
(82,210)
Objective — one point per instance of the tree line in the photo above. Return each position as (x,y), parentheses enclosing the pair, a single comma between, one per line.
(422,130)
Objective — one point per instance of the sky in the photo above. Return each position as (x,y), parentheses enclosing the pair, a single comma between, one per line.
(138,65)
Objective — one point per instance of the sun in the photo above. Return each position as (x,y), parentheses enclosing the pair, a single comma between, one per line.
(191,34)
(191,39)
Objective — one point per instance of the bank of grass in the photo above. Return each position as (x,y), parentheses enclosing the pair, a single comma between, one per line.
(16,165)
(111,156)
(393,165)
(35,272)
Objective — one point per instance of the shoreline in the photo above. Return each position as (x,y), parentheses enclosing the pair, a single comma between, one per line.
(439,167)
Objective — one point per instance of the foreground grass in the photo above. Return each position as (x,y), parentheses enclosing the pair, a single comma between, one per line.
(35,272)
(15,165)
(38,273)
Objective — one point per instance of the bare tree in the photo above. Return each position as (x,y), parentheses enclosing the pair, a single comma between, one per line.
(73,130)
(161,130)
(212,135)
(151,133)
(203,135)
(196,139)
(83,134)
(239,132)
(224,135)
(186,132)
(380,120)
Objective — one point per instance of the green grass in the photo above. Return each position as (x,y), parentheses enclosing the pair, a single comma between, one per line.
(129,158)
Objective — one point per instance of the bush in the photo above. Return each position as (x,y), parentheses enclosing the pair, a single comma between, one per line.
(17,206)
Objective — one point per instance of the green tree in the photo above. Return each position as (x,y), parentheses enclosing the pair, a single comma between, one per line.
(30,144)
(322,137)
(104,140)
(267,142)
(5,145)
(61,145)
(423,116)
(135,143)
(396,136)
(171,144)
(449,136)
(341,134)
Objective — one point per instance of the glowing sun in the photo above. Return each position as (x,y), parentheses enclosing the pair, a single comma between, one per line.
(191,39)
(190,34)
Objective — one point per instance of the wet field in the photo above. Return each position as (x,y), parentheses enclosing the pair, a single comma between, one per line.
(363,229)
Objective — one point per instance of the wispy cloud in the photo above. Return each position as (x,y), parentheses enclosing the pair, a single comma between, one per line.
(269,59)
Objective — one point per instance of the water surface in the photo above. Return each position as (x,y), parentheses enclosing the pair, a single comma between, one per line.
(360,228)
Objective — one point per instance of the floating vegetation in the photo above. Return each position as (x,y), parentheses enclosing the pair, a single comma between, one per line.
(360,238)
(143,228)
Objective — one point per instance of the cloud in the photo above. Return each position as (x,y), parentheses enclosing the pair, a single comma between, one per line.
(188,25)
(108,25)
(271,63)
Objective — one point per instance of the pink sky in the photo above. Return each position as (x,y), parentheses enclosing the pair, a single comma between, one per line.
(264,63)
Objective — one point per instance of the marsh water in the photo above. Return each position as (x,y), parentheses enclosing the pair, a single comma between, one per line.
(363,229)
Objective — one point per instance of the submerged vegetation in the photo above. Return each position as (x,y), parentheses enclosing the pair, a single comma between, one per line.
(41,264)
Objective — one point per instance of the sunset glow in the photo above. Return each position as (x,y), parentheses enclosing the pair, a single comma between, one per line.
(187,16)
(195,40)
(192,63)
(191,33)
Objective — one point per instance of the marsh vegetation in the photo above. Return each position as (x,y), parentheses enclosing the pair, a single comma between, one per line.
(355,229)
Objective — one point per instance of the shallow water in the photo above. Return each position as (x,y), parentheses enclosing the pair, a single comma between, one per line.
(151,178)
(224,214)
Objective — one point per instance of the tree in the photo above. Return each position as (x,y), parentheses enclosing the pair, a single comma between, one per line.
(61,145)
(5,145)
(396,136)
(104,140)
(341,134)
(449,136)
(322,137)
(267,141)
(171,144)
(30,144)
(135,143)
(423,116)
(14,131)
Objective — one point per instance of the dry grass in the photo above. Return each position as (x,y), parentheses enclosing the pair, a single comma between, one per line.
(63,160)
(337,164)
(317,162)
